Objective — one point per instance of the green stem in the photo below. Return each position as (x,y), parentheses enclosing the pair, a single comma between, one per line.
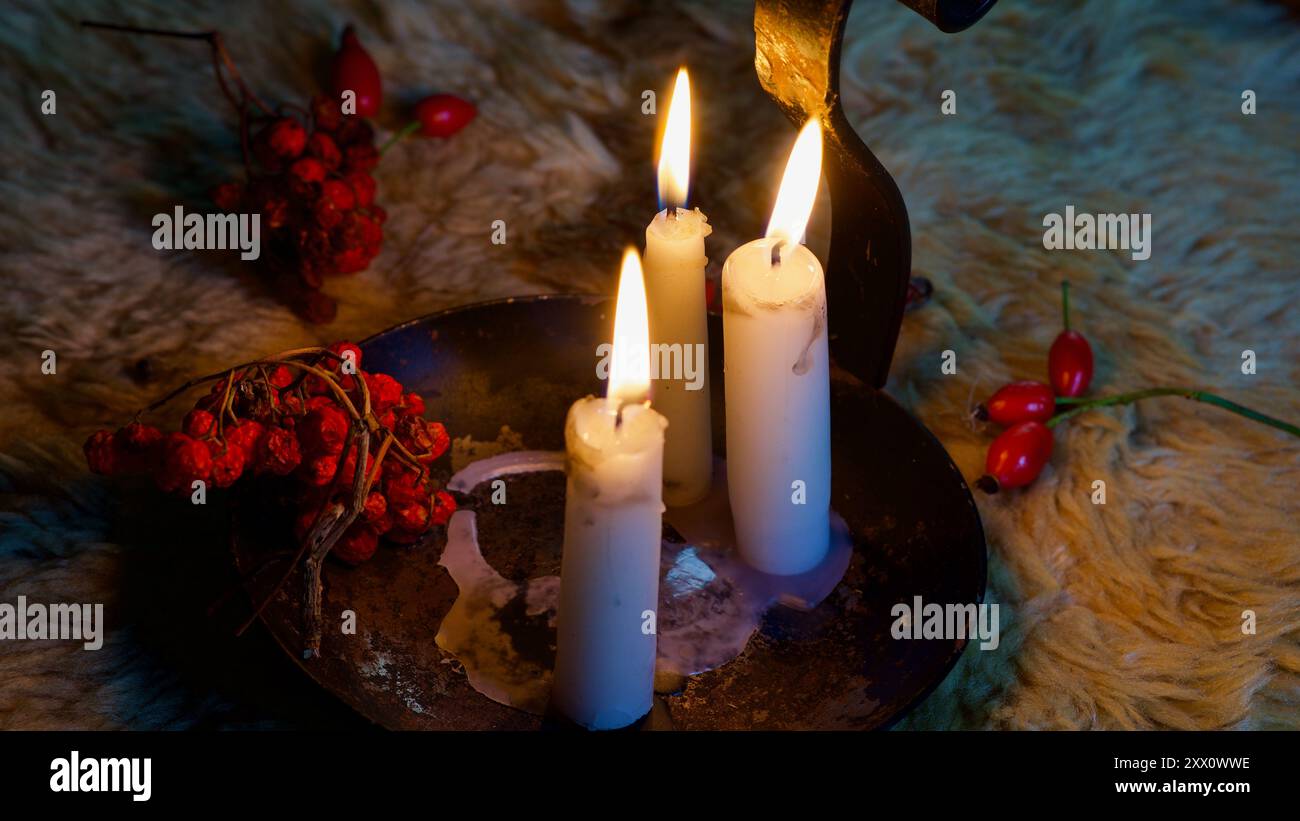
(407,130)
(1081,405)
(1065,304)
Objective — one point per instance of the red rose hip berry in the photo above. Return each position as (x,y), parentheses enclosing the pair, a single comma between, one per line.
(1069,362)
(1016,457)
(354,70)
(442,115)
(1019,402)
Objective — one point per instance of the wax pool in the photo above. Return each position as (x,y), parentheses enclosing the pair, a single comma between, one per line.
(609,590)
(674,273)
(777,380)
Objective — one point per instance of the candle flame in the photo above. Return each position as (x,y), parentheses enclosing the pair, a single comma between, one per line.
(803,172)
(629,367)
(675,148)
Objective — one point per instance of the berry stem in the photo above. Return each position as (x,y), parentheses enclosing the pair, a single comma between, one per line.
(1084,405)
(220,58)
(406,131)
(1065,304)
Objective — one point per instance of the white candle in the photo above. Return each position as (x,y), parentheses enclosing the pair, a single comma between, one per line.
(679,327)
(777,380)
(609,574)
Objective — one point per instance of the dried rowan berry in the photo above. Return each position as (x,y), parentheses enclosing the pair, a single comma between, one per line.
(246,436)
(376,508)
(285,137)
(405,487)
(278,452)
(352,260)
(343,347)
(354,131)
(227,462)
(444,504)
(363,186)
(291,405)
(198,423)
(138,447)
(138,437)
(325,215)
(410,520)
(348,471)
(412,405)
(338,193)
(184,461)
(324,400)
(385,391)
(325,112)
(357,544)
(319,471)
(101,453)
(360,157)
(308,169)
(322,146)
(228,196)
(323,431)
(281,376)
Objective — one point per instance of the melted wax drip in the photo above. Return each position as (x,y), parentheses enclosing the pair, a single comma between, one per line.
(710,604)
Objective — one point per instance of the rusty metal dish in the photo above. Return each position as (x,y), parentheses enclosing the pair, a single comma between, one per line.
(521,362)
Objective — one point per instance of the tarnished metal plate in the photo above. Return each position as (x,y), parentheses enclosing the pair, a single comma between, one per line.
(521,363)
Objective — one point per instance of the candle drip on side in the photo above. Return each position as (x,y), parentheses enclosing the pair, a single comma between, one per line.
(710,604)
(804,363)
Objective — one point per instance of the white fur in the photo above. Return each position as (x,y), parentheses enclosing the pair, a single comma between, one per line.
(1126,615)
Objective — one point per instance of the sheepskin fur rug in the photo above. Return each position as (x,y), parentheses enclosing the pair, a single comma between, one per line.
(1123,615)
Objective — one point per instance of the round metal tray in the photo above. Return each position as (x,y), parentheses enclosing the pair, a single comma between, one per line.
(522,362)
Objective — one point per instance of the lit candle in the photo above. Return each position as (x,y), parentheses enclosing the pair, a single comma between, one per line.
(674,262)
(777,380)
(609,574)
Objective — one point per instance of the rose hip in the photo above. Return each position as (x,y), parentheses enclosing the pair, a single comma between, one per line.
(1069,362)
(1019,402)
(354,70)
(1016,457)
(442,115)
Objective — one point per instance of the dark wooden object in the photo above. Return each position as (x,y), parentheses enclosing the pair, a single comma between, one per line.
(797,58)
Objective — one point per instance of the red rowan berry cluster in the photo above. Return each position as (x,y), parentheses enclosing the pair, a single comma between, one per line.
(354,446)
(311,183)
(308,176)
(296,416)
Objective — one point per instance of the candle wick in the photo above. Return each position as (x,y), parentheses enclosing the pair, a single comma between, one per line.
(618,417)
(671,213)
(776,252)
